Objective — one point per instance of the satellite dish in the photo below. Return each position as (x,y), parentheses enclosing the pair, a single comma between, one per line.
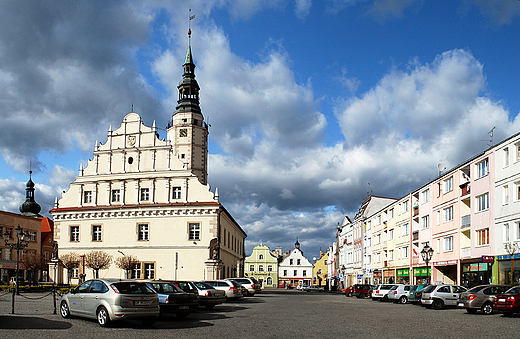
(441,167)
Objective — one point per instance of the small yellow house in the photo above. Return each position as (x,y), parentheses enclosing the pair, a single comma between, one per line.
(320,270)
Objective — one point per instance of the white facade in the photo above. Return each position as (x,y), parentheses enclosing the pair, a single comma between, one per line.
(295,269)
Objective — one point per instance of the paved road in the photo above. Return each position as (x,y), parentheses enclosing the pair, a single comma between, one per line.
(272,314)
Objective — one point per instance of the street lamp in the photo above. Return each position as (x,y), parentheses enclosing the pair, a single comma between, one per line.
(22,240)
(426,254)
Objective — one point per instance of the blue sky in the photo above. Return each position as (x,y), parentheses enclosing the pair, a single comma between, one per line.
(309,101)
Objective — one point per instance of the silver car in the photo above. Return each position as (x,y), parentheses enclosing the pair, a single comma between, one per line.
(109,300)
(251,285)
(232,289)
(441,295)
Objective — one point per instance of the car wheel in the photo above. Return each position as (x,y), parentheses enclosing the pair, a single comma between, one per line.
(103,318)
(471,310)
(348,294)
(182,315)
(385,298)
(403,299)
(361,295)
(210,307)
(487,308)
(148,322)
(437,304)
(64,310)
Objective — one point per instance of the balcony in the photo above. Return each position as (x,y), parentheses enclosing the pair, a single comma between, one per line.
(465,221)
(415,211)
(465,252)
(415,235)
(465,189)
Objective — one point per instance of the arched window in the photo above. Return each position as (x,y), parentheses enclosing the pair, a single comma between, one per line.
(261,256)
(269,281)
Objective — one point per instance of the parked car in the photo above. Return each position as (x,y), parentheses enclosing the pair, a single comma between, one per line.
(172,299)
(232,289)
(399,293)
(441,295)
(415,294)
(508,302)
(252,286)
(109,300)
(361,290)
(209,297)
(481,297)
(348,291)
(312,289)
(381,292)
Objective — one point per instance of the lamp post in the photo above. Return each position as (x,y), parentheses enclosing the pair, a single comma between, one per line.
(426,254)
(22,240)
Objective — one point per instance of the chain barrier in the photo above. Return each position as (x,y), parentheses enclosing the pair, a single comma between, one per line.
(23,296)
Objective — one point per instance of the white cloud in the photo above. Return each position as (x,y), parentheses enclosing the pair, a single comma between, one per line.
(303,8)
(500,11)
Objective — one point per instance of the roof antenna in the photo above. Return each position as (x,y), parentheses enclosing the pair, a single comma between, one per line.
(490,140)
(132,111)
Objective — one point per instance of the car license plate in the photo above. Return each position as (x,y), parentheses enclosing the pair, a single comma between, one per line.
(141,302)
(501,300)
(184,307)
(461,305)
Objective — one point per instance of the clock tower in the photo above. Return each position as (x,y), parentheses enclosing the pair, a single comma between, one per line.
(187,130)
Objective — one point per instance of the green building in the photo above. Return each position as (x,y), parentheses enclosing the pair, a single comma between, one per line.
(263,266)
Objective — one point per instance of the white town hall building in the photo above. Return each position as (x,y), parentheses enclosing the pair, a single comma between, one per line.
(149,198)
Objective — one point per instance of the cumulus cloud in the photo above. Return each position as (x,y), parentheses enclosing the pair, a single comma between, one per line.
(500,11)
(303,8)
(65,68)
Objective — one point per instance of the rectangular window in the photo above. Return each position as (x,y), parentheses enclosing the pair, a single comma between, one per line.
(290,261)
(260,268)
(96,232)
(145,194)
(448,185)
(438,217)
(391,213)
(405,206)
(75,272)
(505,199)
(448,214)
(298,261)
(195,231)
(483,237)
(517,190)
(405,252)
(448,244)
(149,270)
(176,193)
(507,233)
(482,202)
(425,222)
(116,195)
(136,272)
(506,157)
(517,152)
(251,268)
(32,236)
(8,254)
(482,168)
(142,232)
(405,229)
(391,234)
(438,245)
(304,273)
(87,197)
(74,233)
(391,255)
(425,196)
(284,273)
(295,273)
(269,268)
(517,224)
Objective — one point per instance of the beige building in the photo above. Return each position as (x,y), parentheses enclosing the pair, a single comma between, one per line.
(149,197)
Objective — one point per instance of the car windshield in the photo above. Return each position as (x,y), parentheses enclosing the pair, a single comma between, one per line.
(203,286)
(477,288)
(428,289)
(132,288)
(513,290)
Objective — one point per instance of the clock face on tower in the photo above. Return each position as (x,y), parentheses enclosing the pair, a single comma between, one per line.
(183,132)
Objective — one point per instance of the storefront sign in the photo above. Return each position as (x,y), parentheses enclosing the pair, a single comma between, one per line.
(403,273)
(389,273)
(445,263)
(487,258)
(421,271)
(508,257)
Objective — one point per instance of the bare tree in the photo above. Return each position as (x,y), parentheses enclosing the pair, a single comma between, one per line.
(127,263)
(98,260)
(70,260)
(34,262)
(512,248)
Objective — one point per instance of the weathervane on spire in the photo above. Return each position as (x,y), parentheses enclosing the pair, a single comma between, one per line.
(189,23)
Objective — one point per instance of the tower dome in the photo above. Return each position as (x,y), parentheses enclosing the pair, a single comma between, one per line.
(30,207)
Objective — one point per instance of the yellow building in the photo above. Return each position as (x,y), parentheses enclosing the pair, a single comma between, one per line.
(320,270)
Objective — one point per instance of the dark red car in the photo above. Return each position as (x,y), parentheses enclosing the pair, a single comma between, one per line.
(348,291)
(362,290)
(508,302)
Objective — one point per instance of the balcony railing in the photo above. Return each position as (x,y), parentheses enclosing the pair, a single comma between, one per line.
(465,221)
(415,235)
